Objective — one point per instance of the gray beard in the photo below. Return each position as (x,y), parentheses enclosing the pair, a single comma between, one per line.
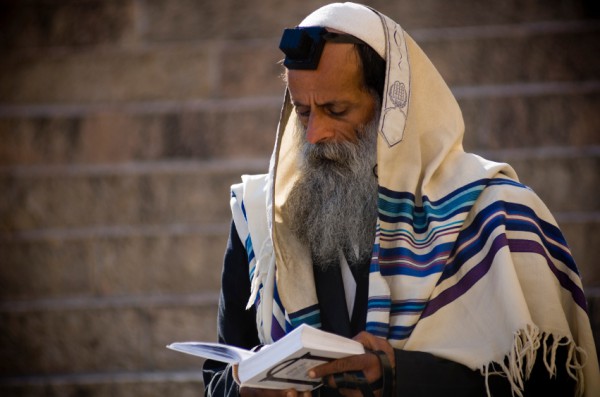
(332,208)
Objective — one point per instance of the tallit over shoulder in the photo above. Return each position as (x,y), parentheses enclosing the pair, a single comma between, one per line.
(468,263)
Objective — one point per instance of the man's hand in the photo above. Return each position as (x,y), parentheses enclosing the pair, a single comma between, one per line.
(368,363)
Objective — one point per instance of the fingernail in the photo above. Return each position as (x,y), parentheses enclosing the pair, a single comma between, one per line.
(289,394)
(311,374)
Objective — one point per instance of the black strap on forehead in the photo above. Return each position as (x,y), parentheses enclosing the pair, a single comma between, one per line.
(303,46)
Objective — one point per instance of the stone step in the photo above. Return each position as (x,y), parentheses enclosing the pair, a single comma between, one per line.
(530,116)
(583,238)
(55,271)
(72,23)
(77,264)
(496,117)
(184,19)
(121,384)
(55,342)
(135,194)
(197,70)
(593,299)
(52,343)
(567,181)
(530,56)
(214,129)
(115,75)
(97,22)
(154,194)
(464,56)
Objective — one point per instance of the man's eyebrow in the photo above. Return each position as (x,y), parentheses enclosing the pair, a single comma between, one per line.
(326,104)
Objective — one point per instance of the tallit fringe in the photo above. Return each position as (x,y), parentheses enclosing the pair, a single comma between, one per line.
(265,263)
(518,364)
(263,260)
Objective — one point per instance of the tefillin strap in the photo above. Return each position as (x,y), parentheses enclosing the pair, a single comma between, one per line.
(303,46)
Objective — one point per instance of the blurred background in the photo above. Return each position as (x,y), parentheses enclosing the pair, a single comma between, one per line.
(123,123)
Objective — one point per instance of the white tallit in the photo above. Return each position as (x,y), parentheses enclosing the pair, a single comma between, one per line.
(468,264)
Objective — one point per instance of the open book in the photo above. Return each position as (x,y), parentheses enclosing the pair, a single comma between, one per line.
(282,365)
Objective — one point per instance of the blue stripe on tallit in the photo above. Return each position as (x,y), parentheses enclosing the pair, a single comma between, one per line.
(403,261)
(496,215)
(509,182)
(505,216)
(549,234)
(400,332)
(391,234)
(399,207)
(377,329)
(249,249)
(396,207)
(469,279)
(383,330)
(310,315)
(494,219)
(244,211)
(379,303)
(421,253)
(279,326)
(409,306)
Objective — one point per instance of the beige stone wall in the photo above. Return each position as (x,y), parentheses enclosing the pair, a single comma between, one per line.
(122,124)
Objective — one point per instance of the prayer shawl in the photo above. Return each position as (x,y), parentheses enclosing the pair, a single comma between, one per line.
(468,264)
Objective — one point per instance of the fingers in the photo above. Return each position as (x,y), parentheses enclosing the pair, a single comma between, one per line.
(371,342)
(367,363)
(348,384)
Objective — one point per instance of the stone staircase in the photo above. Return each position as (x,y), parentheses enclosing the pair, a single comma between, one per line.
(123,123)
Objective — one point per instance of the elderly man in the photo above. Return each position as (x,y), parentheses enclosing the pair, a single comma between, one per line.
(373,223)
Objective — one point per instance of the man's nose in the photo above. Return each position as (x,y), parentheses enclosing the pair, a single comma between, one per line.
(318,129)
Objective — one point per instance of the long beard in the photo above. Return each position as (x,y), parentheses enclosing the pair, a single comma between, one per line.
(332,208)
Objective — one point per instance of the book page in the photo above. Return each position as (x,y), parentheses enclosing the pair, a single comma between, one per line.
(213,351)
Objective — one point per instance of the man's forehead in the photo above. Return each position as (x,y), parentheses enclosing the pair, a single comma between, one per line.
(339,69)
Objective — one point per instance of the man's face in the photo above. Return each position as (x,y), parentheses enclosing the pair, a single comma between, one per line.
(331,102)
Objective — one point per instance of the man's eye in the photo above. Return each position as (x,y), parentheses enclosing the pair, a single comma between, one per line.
(303,112)
(337,111)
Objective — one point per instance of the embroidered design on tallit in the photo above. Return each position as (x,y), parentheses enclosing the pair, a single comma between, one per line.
(395,103)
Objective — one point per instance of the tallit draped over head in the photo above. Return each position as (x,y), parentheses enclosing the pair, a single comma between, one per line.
(468,264)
